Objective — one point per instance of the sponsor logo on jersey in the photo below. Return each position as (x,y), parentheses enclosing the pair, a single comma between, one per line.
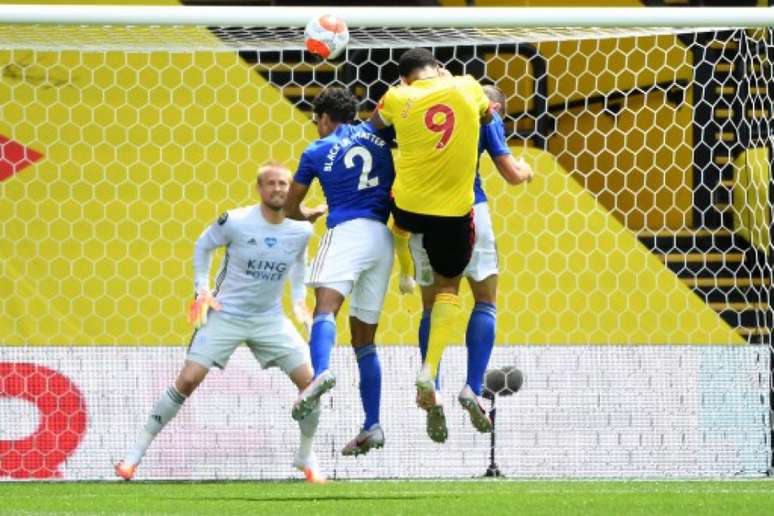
(266,270)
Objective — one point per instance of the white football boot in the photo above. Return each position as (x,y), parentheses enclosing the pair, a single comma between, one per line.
(310,397)
(478,415)
(365,441)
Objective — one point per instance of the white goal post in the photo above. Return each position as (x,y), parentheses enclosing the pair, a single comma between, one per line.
(636,270)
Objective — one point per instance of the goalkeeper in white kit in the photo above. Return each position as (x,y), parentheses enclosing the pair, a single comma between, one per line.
(263,249)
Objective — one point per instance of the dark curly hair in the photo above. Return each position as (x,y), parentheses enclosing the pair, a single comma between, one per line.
(339,103)
(415,59)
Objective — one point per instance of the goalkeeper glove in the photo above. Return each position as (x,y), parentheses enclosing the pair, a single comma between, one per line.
(406,284)
(197,313)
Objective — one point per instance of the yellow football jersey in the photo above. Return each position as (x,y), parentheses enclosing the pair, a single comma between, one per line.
(437,124)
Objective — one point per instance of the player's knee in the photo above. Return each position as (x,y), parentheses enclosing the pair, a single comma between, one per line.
(428,297)
(363,337)
(485,291)
(189,379)
(485,297)
(301,376)
(446,285)
(327,300)
(363,324)
(186,385)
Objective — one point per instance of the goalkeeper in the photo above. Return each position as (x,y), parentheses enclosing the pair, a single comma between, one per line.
(263,250)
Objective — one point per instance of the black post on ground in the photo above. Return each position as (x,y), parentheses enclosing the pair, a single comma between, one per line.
(499,382)
(493,470)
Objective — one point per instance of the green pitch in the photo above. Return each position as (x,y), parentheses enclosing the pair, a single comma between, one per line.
(468,498)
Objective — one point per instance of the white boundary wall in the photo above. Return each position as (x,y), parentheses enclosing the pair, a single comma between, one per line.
(604,412)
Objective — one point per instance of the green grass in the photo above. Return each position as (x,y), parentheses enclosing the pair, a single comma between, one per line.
(468,498)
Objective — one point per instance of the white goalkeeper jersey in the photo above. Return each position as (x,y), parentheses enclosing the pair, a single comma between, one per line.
(259,257)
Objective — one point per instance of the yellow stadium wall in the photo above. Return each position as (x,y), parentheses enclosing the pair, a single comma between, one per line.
(752,218)
(638,162)
(574,274)
(142,151)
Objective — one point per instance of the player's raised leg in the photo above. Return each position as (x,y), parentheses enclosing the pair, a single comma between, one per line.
(479,340)
(448,247)
(435,425)
(321,342)
(211,346)
(275,342)
(443,314)
(423,333)
(366,303)
(371,434)
(163,411)
(305,459)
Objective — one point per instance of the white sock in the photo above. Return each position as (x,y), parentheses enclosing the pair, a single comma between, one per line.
(165,409)
(305,447)
(308,427)
(136,454)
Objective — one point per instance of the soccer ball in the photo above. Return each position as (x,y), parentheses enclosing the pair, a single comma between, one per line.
(326,36)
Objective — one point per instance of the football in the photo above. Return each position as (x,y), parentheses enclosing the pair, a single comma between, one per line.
(326,36)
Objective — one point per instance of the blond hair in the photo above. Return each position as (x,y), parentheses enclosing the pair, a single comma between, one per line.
(270,165)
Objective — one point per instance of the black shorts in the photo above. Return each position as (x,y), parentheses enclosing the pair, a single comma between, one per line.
(448,240)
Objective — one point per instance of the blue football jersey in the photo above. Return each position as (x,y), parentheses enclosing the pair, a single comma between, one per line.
(492,140)
(355,169)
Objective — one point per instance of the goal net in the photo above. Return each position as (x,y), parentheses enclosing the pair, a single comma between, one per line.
(635,270)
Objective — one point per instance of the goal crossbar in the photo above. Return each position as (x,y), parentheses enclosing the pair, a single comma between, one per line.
(388,16)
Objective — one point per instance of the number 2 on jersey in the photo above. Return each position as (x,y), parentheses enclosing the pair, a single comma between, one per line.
(446,126)
(368,163)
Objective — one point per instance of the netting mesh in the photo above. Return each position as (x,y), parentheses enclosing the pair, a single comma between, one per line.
(648,224)
(225,38)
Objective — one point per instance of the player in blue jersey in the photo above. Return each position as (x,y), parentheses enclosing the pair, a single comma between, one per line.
(481,272)
(354,166)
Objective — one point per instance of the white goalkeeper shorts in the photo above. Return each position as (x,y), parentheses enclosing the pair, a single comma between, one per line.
(273,340)
(483,261)
(355,259)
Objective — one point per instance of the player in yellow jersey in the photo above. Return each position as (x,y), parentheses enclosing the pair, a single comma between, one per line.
(437,119)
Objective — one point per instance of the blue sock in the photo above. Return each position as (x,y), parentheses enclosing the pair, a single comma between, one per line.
(370,383)
(479,340)
(424,336)
(321,341)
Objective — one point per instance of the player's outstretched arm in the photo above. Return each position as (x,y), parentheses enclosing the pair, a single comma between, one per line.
(512,170)
(294,209)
